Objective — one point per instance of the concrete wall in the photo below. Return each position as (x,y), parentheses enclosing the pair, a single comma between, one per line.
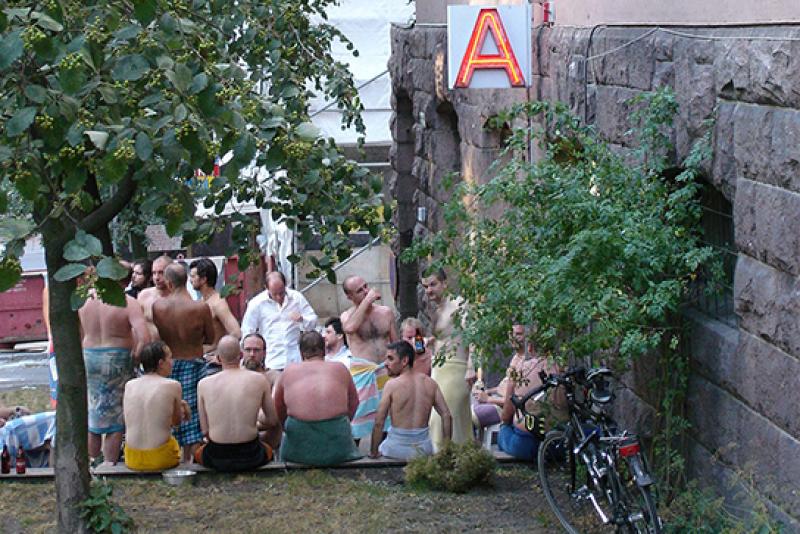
(744,402)
(587,13)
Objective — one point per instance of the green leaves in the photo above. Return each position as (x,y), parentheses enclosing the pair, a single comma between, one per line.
(144,148)
(82,247)
(10,272)
(145,11)
(11,48)
(15,228)
(69,271)
(20,121)
(111,268)
(130,68)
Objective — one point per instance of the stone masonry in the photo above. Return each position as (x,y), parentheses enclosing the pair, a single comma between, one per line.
(745,387)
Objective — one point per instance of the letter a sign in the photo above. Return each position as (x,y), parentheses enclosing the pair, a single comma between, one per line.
(489,47)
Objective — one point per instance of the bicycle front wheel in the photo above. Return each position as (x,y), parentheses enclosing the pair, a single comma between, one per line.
(567,486)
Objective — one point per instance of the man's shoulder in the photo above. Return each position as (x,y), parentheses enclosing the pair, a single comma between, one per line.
(147,294)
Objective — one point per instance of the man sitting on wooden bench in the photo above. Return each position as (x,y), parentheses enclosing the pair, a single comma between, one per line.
(316,401)
(229,403)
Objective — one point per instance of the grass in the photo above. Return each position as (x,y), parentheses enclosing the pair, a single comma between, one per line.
(35,398)
(368,500)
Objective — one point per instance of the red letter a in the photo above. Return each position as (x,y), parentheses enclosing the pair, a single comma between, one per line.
(489,21)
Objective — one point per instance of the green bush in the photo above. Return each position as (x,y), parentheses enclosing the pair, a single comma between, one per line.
(455,468)
(102,514)
(701,511)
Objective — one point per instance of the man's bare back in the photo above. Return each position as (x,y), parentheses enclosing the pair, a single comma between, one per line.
(184,325)
(152,406)
(316,390)
(229,404)
(410,398)
(105,325)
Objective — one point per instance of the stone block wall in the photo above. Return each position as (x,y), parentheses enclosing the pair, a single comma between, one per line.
(745,386)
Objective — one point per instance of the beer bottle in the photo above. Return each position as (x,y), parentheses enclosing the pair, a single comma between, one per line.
(419,343)
(6,459)
(20,461)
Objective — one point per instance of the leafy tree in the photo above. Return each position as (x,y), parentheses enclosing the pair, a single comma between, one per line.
(596,252)
(110,105)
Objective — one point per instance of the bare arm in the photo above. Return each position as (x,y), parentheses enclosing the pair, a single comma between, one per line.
(209,334)
(46,308)
(507,414)
(280,404)
(440,405)
(141,334)
(201,409)
(270,419)
(352,396)
(177,408)
(380,420)
(229,322)
(356,318)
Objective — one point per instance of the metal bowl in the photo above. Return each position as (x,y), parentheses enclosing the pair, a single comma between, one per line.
(176,477)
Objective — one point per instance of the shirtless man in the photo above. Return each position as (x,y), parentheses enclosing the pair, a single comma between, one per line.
(229,403)
(369,326)
(184,325)
(149,295)
(153,405)
(315,401)
(408,398)
(455,375)
(203,277)
(112,337)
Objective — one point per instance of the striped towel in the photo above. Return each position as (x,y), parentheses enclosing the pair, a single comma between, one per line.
(28,431)
(369,378)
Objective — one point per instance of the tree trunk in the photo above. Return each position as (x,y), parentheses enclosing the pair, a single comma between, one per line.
(71,451)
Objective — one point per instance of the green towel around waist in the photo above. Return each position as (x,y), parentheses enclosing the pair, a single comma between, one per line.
(320,443)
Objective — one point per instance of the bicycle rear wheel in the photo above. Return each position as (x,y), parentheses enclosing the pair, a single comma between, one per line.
(565,483)
(638,502)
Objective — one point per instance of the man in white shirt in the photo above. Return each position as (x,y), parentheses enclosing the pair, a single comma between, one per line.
(280,315)
(336,349)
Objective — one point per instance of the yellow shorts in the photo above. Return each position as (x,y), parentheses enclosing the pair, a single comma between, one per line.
(164,457)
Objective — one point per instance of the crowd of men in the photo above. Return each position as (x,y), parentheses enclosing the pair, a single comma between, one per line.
(180,380)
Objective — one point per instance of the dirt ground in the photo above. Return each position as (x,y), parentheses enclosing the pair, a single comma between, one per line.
(336,500)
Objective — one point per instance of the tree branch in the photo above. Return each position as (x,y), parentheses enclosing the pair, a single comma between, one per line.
(111,207)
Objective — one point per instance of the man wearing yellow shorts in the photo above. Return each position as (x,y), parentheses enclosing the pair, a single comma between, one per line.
(153,405)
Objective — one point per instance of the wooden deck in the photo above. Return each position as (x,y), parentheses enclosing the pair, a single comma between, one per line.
(122,471)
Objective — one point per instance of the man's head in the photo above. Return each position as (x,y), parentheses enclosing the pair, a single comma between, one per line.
(276,286)
(312,345)
(410,328)
(334,335)
(141,273)
(203,273)
(156,357)
(355,289)
(254,350)
(435,286)
(399,358)
(228,351)
(519,336)
(175,276)
(159,268)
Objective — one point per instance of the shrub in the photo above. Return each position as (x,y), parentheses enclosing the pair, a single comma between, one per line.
(455,468)
(101,513)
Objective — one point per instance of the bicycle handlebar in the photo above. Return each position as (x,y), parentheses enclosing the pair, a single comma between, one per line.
(548,382)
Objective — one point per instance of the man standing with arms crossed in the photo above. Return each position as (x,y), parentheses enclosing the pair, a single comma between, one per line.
(369,326)
(408,399)
(279,314)
(185,325)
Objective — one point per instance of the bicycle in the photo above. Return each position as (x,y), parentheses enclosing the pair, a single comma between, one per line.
(589,470)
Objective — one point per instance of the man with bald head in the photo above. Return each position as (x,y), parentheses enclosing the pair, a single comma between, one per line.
(229,403)
(149,295)
(369,326)
(280,315)
(184,325)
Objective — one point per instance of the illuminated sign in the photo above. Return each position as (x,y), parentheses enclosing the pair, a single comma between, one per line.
(489,47)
